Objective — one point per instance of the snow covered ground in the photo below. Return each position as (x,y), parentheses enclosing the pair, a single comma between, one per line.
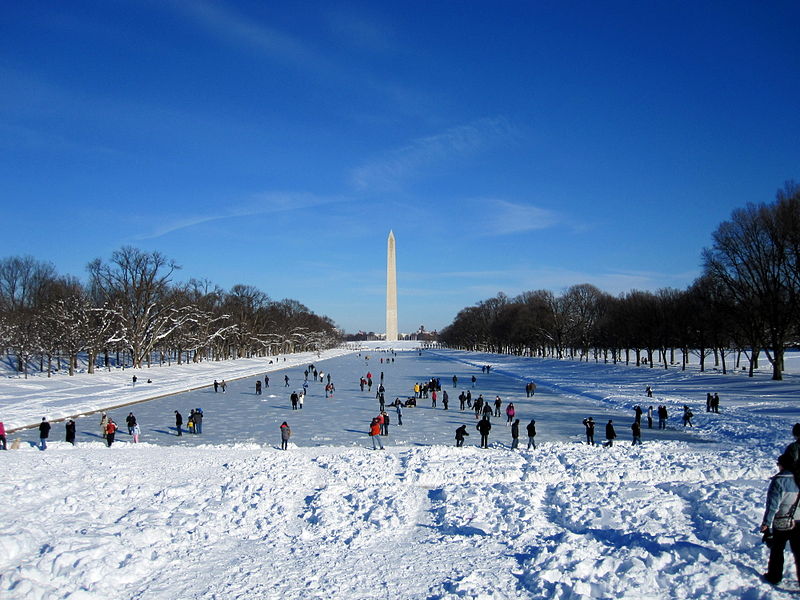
(227,515)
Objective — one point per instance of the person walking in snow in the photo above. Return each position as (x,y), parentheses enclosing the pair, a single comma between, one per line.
(301,397)
(294,400)
(70,431)
(474,380)
(445,399)
(487,411)
(649,417)
(484,427)
(662,416)
(461,432)
(44,433)
(455,380)
(111,431)
(286,433)
(258,387)
(638,413)
(223,385)
(375,434)
(286,381)
(709,399)
(462,400)
(130,421)
(216,386)
(136,433)
(636,429)
(433,399)
(266,381)
(510,412)
(3,441)
(178,422)
(793,449)
(782,500)
(588,423)
(611,435)
(103,424)
(715,403)
(198,421)
(384,423)
(399,411)
(687,416)
(497,404)
(531,435)
(515,434)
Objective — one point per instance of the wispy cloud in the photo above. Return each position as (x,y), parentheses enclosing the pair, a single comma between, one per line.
(261,204)
(504,217)
(240,30)
(429,152)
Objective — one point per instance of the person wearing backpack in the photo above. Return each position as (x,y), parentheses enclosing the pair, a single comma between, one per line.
(778,525)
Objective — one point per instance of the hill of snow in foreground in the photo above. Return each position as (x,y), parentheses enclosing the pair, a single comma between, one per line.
(668,519)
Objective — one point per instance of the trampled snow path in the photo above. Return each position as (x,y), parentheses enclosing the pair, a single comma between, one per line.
(564,521)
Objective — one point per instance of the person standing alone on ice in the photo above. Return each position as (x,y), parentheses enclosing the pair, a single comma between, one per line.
(286,433)
(178,422)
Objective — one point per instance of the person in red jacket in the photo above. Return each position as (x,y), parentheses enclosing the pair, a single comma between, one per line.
(375,434)
(111,430)
(2,436)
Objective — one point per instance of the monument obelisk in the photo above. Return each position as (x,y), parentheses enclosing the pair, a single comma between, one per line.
(391,291)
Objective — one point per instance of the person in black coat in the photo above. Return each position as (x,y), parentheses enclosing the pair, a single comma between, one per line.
(610,433)
(531,434)
(44,433)
(70,427)
(515,434)
(589,424)
(460,433)
(178,422)
(636,429)
(484,426)
(130,421)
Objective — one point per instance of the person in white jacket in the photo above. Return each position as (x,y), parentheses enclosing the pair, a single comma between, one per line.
(782,500)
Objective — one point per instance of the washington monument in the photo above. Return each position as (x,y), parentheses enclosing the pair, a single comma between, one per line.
(391,291)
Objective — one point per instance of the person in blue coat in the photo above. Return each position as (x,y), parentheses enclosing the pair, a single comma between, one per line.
(782,500)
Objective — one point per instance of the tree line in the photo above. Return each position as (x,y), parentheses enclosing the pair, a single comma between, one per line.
(746,302)
(131,312)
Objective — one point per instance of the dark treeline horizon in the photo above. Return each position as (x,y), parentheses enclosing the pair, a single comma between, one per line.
(131,307)
(747,301)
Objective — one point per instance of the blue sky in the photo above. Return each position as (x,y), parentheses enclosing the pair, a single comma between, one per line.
(511,146)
